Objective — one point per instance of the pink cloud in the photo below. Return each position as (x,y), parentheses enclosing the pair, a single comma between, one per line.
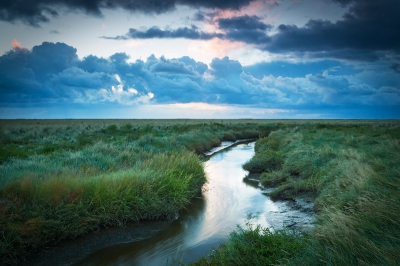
(260,8)
(256,8)
(17,45)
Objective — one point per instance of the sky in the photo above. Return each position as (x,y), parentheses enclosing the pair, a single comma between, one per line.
(272,59)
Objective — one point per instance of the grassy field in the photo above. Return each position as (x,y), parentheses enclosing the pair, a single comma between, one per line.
(353,172)
(63,178)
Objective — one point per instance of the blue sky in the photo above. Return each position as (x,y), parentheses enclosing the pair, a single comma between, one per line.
(200,59)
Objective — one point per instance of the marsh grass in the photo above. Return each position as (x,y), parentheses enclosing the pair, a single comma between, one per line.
(353,172)
(67,179)
(255,245)
(60,179)
(39,211)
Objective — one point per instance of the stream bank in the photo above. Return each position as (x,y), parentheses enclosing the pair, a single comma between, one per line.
(229,196)
(296,213)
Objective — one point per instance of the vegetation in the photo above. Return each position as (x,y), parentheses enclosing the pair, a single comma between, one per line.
(256,246)
(62,178)
(353,172)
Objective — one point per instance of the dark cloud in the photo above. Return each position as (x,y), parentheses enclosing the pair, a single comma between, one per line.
(221,4)
(25,74)
(368,28)
(243,23)
(369,31)
(54,32)
(51,58)
(93,64)
(395,67)
(155,32)
(35,12)
(78,78)
(247,36)
(248,29)
(343,2)
(15,77)
(52,74)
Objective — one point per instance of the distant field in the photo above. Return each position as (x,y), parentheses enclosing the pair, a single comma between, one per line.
(63,178)
(24,137)
(82,123)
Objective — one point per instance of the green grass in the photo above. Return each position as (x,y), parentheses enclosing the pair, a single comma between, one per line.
(352,171)
(44,210)
(62,179)
(67,180)
(255,245)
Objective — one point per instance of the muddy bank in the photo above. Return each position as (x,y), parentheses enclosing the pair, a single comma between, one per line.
(296,214)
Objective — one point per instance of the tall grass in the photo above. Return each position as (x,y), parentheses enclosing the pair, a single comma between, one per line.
(255,245)
(40,210)
(352,171)
(65,181)
(59,180)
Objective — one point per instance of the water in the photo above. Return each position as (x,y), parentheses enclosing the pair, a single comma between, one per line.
(226,202)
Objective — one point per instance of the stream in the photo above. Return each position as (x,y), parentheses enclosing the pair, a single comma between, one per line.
(227,199)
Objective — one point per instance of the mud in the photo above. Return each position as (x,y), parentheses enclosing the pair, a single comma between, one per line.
(296,214)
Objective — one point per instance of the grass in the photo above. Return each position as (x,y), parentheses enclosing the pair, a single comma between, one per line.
(352,171)
(44,210)
(60,179)
(254,245)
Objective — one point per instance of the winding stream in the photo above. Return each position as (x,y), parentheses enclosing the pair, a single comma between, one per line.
(227,200)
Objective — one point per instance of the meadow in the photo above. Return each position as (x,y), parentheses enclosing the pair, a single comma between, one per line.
(60,179)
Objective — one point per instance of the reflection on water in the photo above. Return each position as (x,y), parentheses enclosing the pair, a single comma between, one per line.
(226,202)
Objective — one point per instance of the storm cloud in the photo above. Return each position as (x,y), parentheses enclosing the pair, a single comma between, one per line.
(155,32)
(35,12)
(368,28)
(368,31)
(248,29)
(52,73)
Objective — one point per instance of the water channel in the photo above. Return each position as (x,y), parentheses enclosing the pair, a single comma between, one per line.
(226,201)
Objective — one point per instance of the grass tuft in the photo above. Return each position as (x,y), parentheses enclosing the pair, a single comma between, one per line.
(255,245)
